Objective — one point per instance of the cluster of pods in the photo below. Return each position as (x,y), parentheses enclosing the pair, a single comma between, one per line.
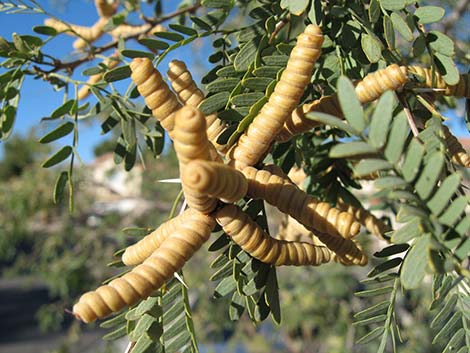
(214,178)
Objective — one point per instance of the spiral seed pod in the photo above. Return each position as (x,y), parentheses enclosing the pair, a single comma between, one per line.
(148,276)
(84,91)
(191,143)
(256,140)
(367,219)
(298,123)
(156,93)
(138,252)
(219,181)
(105,8)
(188,93)
(251,238)
(126,31)
(305,208)
(456,150)
(375,84)
(432,79)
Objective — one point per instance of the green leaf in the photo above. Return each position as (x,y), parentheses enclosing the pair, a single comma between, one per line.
(441,43)
(464,226)
(172,36)
(92,71)
(397,138)
(446,190)
(449,328)
(385,266)
(272,295)
(114,321)
(154,44)
(237,307)
(350,104)
(371,47)
(369,166)
(372,335)
(246,99)
(381,119)
(447,68)
(409,231)
(454,211)
(372,311)
(412,164)
(414,266)
(390,182)
(407,212)
(276,60)
(63,109)
(225,287)
(214,103)
(184,29)
(391,250)
(331,120)
(351,149)
(58,157)
(256,83)
(267,71)
(60,186)
(222,84)
(246,55)
(429,177)
(117,74)
(389,32)
(296,7)
(218,3)
(129,53)
(456,341)
(371,320)
(374,292)
(59,132)
(46,30)
(429,14)
(441,318)
(401,26)
(393,4)
(374,11)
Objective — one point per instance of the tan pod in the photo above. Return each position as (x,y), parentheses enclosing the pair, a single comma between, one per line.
(188,93)
(191,143)
(432,79)
(256,140)
(106,8)
(126,31)
(289,199)
(157,95)
(148,276)
(138,252)
(251,238)
(373,85)
(214,179)
(367,219)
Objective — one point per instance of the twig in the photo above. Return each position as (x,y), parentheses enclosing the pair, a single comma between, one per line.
(409,115)
(129,347)
(72,65)
(279,26)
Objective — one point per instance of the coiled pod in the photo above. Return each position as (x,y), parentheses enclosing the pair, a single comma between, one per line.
(126,31)
(251,238)
(191,143)
(456,150)
(219,181)
(138,252)
(298,123)
(256,140)
(105,8)
(367,219)
(373,85)
(156,93)
(305,208)
(432,79)
(148,276)
(188,93)
(84,91)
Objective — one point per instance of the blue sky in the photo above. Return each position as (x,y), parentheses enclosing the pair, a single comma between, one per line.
(38,99)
